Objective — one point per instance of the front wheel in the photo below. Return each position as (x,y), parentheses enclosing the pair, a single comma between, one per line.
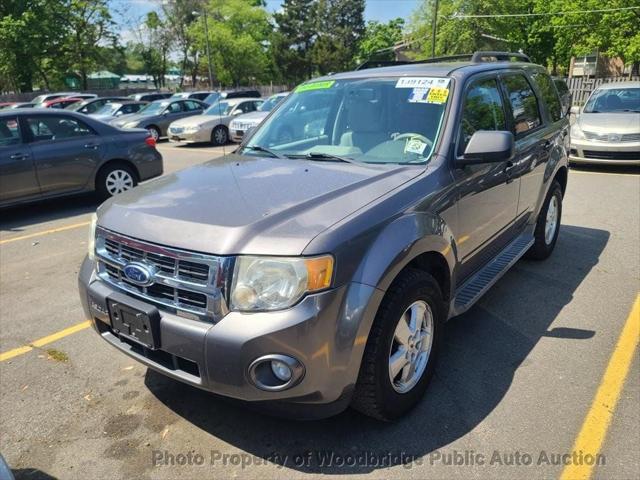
(402,347)
(548,224)
(219,135)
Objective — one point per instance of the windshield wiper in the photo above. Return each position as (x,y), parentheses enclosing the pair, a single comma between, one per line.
(320,156)
(258,148)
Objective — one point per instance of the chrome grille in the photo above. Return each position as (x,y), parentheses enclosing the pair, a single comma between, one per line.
(184,282)
(612,137)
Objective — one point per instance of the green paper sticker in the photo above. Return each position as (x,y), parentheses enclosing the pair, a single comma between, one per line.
(306,87)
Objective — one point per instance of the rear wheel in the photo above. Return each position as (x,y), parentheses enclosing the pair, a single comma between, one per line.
(115,178)
(548,224)
(154,132)
(220,135)
(402,347)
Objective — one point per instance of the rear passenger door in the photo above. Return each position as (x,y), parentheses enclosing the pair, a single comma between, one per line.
(17,172)
(533,138)
(488,194)
(66,151)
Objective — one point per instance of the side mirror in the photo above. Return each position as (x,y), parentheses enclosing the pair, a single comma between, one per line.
(488,147)
(575,110)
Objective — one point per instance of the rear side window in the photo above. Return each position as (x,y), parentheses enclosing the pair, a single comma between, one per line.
(57,128)
(483,110)
(549,94)
(9,131)
(524,104)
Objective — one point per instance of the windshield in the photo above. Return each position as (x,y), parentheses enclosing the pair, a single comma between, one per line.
(219,108)
(108,109)
(614,100)
(271,103)
(154,108)
(212,98)
(373,120)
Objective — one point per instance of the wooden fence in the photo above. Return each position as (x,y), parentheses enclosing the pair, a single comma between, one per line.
(581,87)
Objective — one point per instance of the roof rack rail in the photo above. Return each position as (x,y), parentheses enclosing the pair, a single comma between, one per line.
(476,57)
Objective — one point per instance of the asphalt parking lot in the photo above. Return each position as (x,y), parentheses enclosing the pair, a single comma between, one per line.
(522,375)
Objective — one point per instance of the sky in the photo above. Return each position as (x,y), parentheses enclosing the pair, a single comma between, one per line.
(381,10)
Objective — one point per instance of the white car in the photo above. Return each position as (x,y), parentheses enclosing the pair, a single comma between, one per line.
(607,130)
(212,125)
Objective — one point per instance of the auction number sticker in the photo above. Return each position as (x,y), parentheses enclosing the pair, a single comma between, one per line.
(422,82)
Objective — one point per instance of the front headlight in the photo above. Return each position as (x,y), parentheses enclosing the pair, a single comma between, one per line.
(276,283)
(91,243)
(576,131)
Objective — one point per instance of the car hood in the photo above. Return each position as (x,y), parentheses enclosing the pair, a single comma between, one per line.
(253,117)
(195,120)
(628,122)
(248,205)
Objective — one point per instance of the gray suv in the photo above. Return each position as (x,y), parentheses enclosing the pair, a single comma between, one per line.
(318,271)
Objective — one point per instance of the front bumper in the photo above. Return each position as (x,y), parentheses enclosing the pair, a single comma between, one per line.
(202,135)
(605,153)
(323,332)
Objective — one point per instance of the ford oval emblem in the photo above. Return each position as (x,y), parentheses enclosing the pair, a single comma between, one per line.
(139,273)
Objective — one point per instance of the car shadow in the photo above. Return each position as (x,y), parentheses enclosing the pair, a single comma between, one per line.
(16,219)
(483,349)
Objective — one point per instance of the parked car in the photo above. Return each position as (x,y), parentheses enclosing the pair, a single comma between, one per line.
(191,95)
(93,105)
(157,116)
(62,102)
(45,97)
(116,109)
(607,129)
(319,272)
(242,123)
(51,153)
(150,96)
(22,105)
(229,94)
(213,125)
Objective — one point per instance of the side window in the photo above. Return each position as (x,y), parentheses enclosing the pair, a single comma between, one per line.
(192,106)
(483,110)
(57,128)
(524,104)
(9,131)
(175,107)
(549,94)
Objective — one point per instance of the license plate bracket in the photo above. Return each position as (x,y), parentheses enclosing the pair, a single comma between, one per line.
(141,325)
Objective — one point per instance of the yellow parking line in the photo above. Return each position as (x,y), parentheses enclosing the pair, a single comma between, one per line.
(44,340)
(596,423)
(45,232)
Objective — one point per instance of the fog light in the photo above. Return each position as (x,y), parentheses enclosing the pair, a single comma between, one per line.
(281,370)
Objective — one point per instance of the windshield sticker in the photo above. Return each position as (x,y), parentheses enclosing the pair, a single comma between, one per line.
(419,95)
(415,145)
(306,87)
(422,82)
(437,95)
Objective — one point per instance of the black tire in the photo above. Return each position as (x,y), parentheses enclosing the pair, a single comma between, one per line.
(374,394)
(154,132)
(102,189)
(541,248)
(220,136)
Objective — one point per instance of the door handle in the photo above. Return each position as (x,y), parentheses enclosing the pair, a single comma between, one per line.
(92,146)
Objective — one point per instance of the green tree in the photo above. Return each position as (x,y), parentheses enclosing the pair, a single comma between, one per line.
(379,39)
(237,33)
(340,27)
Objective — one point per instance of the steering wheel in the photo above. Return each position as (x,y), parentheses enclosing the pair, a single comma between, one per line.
(422,138)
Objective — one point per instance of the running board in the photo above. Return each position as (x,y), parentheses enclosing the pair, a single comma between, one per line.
(481,281)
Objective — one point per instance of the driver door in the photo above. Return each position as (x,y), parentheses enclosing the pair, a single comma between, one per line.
(488,195)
